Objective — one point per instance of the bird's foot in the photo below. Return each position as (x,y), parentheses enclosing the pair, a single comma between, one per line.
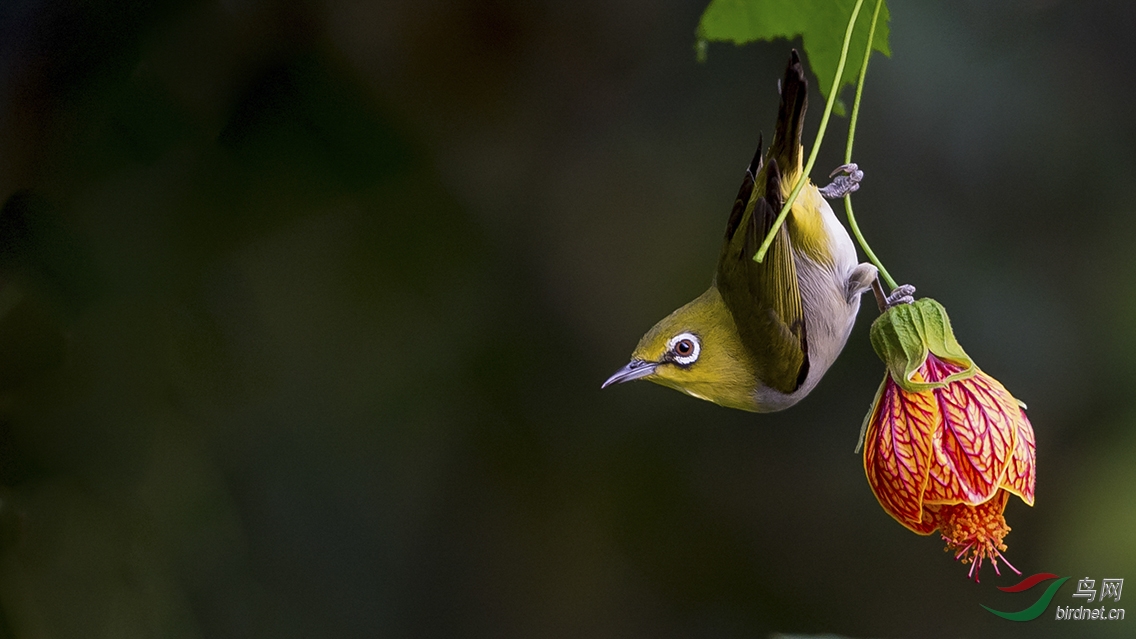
(902,294)
(845,179)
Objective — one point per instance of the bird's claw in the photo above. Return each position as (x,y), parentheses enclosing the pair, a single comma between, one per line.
(845,179)
(902,294)
(851,169)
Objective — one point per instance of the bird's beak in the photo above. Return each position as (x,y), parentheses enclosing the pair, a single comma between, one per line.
(635,369)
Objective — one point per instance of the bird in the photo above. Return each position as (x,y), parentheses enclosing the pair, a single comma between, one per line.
(764,333)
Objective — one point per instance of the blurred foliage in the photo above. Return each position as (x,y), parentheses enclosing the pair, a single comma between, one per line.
(304,308)
(820,24)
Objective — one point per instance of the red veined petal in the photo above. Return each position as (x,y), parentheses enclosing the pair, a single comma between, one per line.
(973,448)
(897,452)
(926,526)
(936,370)
(1020,475)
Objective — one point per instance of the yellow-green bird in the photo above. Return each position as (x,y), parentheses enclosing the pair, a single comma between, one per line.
(763,334)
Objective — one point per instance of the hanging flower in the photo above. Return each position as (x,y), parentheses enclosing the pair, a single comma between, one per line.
(944,444)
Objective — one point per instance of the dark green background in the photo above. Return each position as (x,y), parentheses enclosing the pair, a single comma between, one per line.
(306,305)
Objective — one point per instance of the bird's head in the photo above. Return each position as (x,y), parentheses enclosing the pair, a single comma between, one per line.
(696,350)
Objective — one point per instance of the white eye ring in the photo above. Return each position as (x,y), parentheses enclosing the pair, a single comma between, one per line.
(684,348)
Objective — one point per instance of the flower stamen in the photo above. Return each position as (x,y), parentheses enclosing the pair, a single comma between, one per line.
(974,533)
(1007,562)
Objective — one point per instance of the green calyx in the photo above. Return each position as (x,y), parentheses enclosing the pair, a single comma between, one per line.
(904,334)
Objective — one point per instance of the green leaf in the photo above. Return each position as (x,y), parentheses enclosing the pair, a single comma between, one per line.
(820,23)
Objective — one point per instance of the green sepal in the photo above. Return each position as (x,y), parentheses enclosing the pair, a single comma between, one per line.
(904,334)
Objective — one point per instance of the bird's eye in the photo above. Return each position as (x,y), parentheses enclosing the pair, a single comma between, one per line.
(684,348)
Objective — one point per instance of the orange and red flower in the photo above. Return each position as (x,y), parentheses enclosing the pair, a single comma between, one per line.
(944,444)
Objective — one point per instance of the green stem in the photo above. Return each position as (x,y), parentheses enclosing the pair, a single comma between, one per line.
(804,176)
(848,153)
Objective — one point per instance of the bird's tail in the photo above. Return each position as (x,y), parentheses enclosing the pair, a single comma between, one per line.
(786,146)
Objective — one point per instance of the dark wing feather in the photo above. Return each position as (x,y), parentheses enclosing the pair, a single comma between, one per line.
(764,299)
(786,145)
(744,193)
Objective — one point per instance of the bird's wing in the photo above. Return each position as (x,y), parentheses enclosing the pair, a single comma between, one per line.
(764,298)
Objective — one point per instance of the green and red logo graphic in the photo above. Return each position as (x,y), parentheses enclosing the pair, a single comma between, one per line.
(1086,590)
(1039,606)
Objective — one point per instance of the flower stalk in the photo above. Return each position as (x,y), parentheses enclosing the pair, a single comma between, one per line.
(848,152)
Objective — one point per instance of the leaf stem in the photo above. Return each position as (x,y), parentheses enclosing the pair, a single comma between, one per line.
(804,176)
(848,153)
